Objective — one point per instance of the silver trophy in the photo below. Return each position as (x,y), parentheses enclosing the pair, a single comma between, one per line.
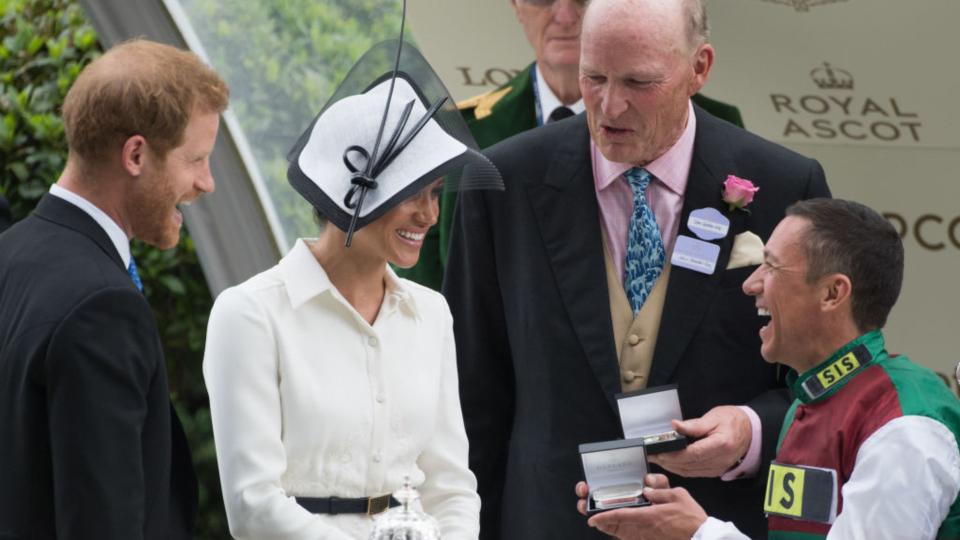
(405,522)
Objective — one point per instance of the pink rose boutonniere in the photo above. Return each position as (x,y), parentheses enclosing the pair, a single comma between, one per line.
(738,192)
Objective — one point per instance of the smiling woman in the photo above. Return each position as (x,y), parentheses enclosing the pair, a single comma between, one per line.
(398,236)
(344,374)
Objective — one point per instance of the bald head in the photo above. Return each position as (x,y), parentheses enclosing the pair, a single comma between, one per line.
(639,64)
(685,20)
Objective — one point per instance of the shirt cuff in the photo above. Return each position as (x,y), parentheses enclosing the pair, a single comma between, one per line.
(751,461)
(714,529)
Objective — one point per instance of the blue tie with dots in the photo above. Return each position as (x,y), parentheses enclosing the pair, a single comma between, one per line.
(645,255)
(132,270)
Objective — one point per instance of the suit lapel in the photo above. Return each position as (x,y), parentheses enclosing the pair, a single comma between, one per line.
(61,212)
(565,207)
(689,293)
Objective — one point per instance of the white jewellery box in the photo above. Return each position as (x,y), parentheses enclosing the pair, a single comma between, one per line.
(646,415)
(614,470)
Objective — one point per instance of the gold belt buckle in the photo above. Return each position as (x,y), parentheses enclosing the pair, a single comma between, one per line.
(376,505)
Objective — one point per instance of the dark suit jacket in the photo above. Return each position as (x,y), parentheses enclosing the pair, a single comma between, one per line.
(91,446)
(5,218)
(538,366)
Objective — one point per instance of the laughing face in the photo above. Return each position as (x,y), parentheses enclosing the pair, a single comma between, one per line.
(178,179)
(792,335)
(398,235)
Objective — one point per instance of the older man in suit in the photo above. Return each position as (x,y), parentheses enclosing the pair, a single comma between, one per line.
(92,446)
(545,91)
(594,274)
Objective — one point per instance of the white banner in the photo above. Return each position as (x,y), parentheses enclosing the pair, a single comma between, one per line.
(475,45)
(843,72)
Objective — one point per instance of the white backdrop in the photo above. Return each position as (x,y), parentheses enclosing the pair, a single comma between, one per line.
(867,87)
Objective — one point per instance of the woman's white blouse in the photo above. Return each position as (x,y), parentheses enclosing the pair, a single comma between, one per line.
(310,400)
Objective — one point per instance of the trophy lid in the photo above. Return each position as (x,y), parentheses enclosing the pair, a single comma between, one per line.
(405,522)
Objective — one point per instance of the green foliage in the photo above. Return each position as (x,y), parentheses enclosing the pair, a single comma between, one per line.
(282,60)
(44,46)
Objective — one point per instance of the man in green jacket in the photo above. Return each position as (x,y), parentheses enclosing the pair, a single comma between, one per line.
(545,91)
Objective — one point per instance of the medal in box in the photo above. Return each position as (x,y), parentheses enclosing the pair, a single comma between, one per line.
(646,415)
(614,470)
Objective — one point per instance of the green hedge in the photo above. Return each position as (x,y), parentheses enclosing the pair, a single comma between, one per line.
(46,43)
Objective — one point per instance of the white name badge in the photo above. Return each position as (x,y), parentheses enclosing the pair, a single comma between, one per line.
(708,224)
(695,255)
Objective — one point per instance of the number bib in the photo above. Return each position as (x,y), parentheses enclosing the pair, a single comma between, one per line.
(801,492)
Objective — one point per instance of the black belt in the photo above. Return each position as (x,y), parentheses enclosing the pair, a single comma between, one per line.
(337,505)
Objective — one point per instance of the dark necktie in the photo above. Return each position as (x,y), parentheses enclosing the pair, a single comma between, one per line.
(560,113)
(645,253)
(132,270)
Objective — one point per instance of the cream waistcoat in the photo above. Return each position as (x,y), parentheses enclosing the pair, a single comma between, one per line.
(635,337)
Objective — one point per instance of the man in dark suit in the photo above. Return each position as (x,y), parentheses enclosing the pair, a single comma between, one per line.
(547,334)
(92,446)
(5,218)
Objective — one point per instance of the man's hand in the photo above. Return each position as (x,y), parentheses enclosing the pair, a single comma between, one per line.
(582,491)
(673,515)
(724,434)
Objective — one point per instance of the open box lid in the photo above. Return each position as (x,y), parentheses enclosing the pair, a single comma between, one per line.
(649,412)
(613,463)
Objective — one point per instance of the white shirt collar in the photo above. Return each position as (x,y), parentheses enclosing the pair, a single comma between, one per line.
(549,101)
(109,226)
(305,278)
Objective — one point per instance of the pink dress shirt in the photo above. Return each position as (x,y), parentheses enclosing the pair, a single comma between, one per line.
(665,193)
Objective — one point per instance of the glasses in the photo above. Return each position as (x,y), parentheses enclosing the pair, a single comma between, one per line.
(549,3)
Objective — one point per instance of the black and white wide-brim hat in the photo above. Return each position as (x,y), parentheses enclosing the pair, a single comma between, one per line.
(376,148)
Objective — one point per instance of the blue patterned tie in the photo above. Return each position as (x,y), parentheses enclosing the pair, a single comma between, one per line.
(645,254)
(132,270)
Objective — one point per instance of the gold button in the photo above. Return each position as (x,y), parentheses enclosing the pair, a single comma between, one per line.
(634,339)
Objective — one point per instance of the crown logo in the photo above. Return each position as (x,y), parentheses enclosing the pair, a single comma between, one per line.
(828,77)
(803,5)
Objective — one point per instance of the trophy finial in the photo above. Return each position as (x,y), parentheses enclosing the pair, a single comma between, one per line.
(405,522)
(406,495)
